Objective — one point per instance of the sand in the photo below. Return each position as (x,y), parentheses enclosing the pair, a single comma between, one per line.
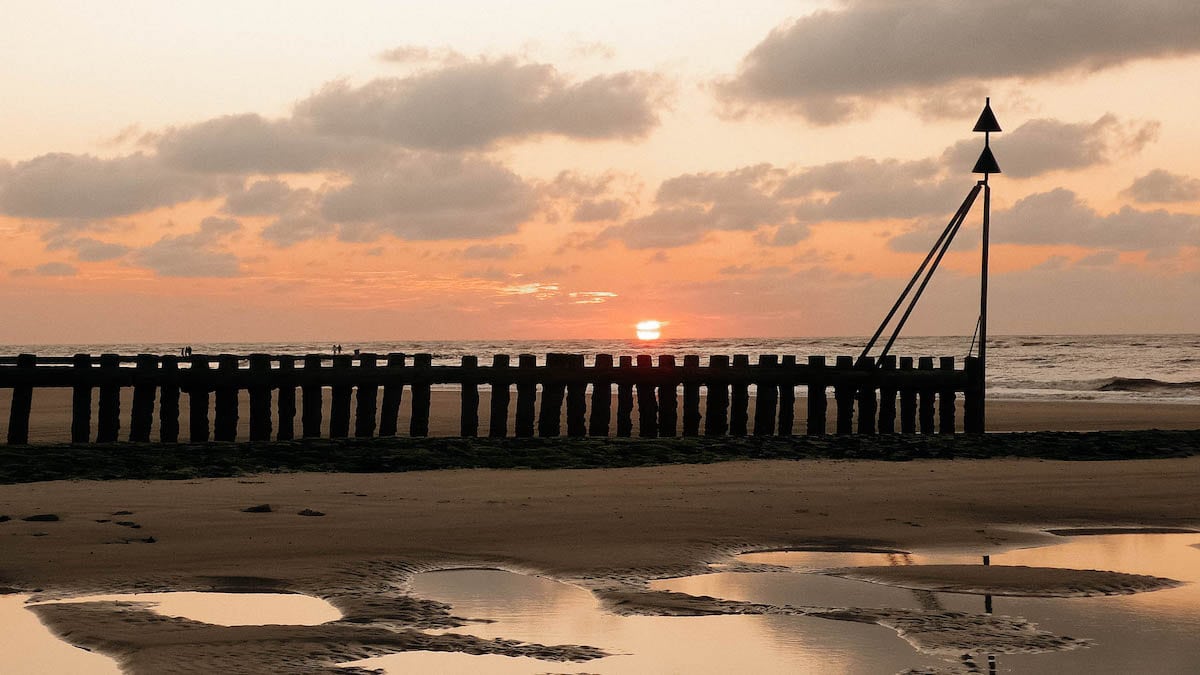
(608,530)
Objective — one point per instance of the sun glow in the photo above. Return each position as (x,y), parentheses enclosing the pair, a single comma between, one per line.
(649,330)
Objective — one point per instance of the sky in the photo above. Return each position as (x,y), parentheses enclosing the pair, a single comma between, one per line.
(272,171)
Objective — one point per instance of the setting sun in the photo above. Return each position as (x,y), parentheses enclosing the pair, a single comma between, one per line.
(649,330)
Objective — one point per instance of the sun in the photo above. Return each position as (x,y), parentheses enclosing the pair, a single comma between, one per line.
(649,330)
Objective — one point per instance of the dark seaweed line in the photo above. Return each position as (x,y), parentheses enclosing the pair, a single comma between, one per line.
(23,464)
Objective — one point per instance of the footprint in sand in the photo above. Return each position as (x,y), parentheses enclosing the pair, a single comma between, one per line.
(42,518)
(260,508)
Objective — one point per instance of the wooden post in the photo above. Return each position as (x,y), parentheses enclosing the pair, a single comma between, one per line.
(108,426)
(576,398)
(601,415)
(716,409)
(843,394)
(197,400)
(260,398)
(393,393)
(925,398)
(817,405)
(973,396)
(946,397)
(908,398)
(144,387)
(22,404)
(887,395)
(526,394)
(767,396)
(226,423)
(739,409)
(468,421)
(81,399)
(787,396)
(311,413)
(668,398)
(553,391)
(625,400)
(168,401)
(419,423)
(339,399)
(286,405)
(867,408)
(691,395)
(366,397)
(498,416)
(647,404)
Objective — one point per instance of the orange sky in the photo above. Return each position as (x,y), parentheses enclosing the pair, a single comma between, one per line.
(299,171)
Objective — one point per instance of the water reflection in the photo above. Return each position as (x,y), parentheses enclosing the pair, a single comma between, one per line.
(1147,632)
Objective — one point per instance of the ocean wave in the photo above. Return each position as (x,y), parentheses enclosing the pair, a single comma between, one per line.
(1145,384)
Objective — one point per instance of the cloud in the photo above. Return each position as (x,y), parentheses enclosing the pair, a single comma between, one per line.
(1162,187)
(1044,145)
(690,205)
(63,185)
(866,189)
(264,197)
(193,255)
(417,54)
(427,197)
(492,251)
(86,249)
(56,269)
(477,104)
(1060,217)
(291,229)
(253,144)
(592,210)
(834,64)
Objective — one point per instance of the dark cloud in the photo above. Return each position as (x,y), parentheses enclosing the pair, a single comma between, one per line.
(1044,145)
(253,144)
(1060,217)
(867,189)
(291,229)
(1160,186)
(492,251)
(86,249)
(592,210)
(834,64)
(690,205)
(479,103)
(431,197)
(264,197)
(56,269)
(197,254)
(63,185)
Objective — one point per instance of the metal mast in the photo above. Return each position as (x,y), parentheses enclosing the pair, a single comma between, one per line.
(986,165)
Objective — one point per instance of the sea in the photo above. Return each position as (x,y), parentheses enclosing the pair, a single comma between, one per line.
(1117,368)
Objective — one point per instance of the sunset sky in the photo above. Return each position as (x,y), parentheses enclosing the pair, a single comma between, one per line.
(232,171)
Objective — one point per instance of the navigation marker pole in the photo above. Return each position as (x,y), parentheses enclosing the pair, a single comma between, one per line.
(985,165)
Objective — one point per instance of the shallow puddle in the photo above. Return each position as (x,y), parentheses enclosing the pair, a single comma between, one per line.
(1145,632)
(26,646)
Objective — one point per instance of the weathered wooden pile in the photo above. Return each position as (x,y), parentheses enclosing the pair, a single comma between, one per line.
(868,397)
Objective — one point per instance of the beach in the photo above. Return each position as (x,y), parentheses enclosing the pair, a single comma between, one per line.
(610,530)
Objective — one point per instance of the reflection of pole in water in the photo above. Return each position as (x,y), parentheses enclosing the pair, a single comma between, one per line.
(987,609)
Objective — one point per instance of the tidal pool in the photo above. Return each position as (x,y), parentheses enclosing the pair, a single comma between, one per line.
(1145,632)
(26,646)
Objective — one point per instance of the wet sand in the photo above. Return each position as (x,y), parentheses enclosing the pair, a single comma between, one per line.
(610,530)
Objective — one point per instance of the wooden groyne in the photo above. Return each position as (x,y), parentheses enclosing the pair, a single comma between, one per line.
(898,395)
